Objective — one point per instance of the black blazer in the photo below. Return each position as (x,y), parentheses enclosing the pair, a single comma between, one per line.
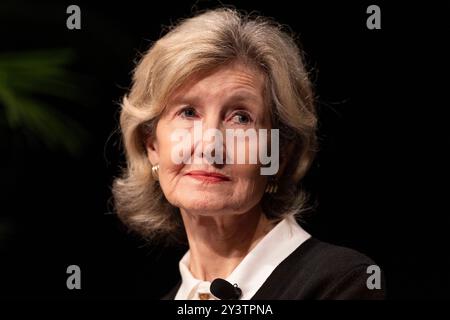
(316,271)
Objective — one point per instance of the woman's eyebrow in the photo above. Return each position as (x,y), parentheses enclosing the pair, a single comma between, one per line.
(184,100)
(238,96)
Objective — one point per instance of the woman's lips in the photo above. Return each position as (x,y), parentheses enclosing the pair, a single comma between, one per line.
(207,176)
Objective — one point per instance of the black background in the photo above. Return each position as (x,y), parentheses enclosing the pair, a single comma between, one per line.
(379,181)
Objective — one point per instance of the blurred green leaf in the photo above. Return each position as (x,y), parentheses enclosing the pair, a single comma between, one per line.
(27,81)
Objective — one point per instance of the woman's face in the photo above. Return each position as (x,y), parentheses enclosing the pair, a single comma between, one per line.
(230,97)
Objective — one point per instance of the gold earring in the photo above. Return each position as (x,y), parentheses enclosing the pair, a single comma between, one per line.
(272,186)
(155,170)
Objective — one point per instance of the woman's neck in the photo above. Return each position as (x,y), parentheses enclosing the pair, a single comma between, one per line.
(219,243)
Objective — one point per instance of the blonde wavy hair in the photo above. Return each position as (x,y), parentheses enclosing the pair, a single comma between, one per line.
(200,43)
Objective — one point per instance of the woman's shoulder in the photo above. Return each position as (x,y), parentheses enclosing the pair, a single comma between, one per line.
(320,270)
(329,256)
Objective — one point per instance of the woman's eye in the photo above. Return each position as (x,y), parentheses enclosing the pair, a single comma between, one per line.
(188,112)
(241,118)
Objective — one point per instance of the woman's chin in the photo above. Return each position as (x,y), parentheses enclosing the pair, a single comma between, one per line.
(205,205)
(210,207)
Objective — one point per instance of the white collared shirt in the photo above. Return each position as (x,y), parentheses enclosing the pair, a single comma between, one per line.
(256,266)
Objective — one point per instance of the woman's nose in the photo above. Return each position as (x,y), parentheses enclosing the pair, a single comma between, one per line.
(213,122)
(212,146)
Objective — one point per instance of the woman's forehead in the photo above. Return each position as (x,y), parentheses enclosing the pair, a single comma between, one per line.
(233,80)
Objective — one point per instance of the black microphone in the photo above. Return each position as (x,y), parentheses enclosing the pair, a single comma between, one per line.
(224,290)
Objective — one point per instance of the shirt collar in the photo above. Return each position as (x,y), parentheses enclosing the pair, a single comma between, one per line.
(257,265)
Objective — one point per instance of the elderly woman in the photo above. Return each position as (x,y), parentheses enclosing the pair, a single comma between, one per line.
(229,73)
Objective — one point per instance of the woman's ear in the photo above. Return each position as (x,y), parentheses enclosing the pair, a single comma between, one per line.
(152,148)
